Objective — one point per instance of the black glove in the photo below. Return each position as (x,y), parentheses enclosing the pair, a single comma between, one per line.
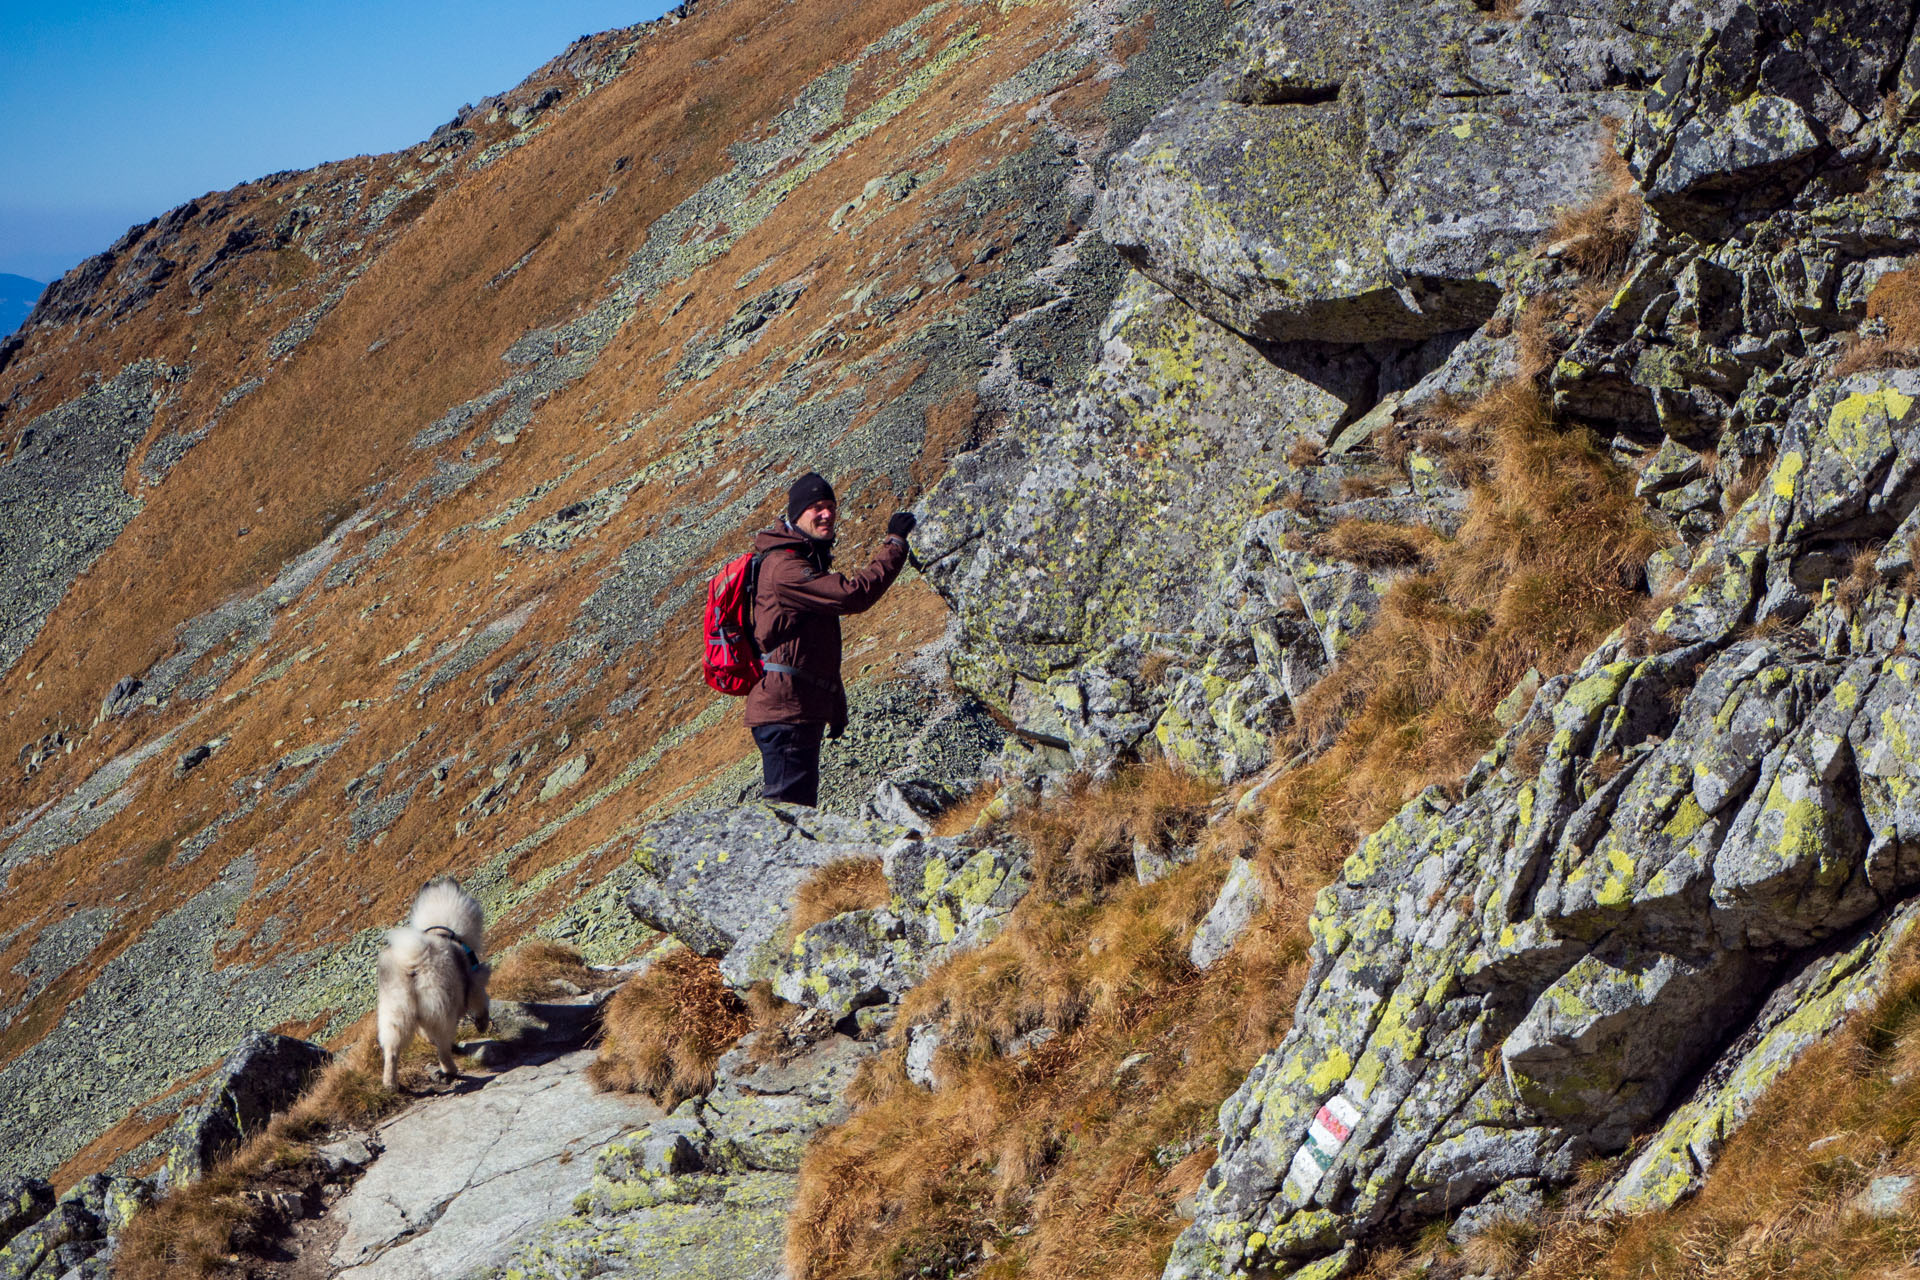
(901,524)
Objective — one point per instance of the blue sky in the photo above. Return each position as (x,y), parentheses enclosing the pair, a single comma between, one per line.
(116,112)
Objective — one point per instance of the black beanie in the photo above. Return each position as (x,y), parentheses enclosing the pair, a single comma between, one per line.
(807,490)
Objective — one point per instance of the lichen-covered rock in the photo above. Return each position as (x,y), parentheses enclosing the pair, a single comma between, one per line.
(954,892)
(669,1228)
(263,1074)
(1374,169)
(1777,84)
(112,1199)
(23,1202)
(67,1224)
(1240,897)
(1799,1013)
(1505,984)
(705,1191)
(1116,559)
(722,881)
(845,964)
(946,895)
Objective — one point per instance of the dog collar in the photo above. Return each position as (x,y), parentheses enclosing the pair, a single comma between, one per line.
(473,961)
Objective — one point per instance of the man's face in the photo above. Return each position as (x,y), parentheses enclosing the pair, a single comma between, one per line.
(817,521)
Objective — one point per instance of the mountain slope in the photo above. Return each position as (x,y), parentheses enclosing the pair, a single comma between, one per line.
(392,485)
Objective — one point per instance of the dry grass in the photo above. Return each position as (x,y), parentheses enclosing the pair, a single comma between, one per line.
(1861,578)
(1752,471)
(1893,307)
(1548,560)
(1081,1145)
(1375,483)
(848,884)
(1084,843)
(1596,238)
(1307,451)
(198,1229)
(964,813)
(1154,667)
(667,1028)
(538,969)
(1376,544)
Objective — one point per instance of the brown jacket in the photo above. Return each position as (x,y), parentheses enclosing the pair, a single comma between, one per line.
(796,623)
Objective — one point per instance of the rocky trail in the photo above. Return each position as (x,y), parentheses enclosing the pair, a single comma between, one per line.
(522,1167)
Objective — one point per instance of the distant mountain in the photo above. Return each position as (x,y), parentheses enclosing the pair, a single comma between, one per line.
(17,296)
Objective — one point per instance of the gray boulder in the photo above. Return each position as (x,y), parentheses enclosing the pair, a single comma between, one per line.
(1240,898)
(763,1114)
(853,961)
(722,881)
(23,1202)
(263,1074)
(67,1233)
(1374,169)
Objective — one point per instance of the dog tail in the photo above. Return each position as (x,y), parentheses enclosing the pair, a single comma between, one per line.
(444,904)
(399,1011)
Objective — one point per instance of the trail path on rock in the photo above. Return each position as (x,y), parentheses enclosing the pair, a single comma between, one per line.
(461,1177)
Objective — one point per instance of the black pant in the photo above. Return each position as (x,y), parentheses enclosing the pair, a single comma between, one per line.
(790,762)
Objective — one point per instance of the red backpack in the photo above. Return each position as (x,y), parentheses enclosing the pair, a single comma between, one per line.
(732,663)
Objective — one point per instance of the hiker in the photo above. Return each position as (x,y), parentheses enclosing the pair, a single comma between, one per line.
(796,625)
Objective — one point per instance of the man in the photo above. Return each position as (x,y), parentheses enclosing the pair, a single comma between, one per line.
(796,624)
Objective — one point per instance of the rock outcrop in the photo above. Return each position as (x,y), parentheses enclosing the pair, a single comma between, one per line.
(723,883)
(1319,227)
(263,1075)
(1709,864)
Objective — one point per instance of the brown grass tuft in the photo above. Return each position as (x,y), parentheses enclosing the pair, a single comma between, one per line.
(1503,1248)
(1597,237)
(963,814)
(1307,451)
(1861,578)
(848,884)
(667,1028)
(1367,484)
(1085,842)
(198,1230)
(539,969)
(1154,667)
(1752,471)
(1376,544)
(1893,307)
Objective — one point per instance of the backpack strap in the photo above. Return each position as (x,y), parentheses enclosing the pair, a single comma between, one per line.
(831,686)
(751,592)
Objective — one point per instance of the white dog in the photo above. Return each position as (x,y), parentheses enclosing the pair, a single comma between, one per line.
(430,974)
